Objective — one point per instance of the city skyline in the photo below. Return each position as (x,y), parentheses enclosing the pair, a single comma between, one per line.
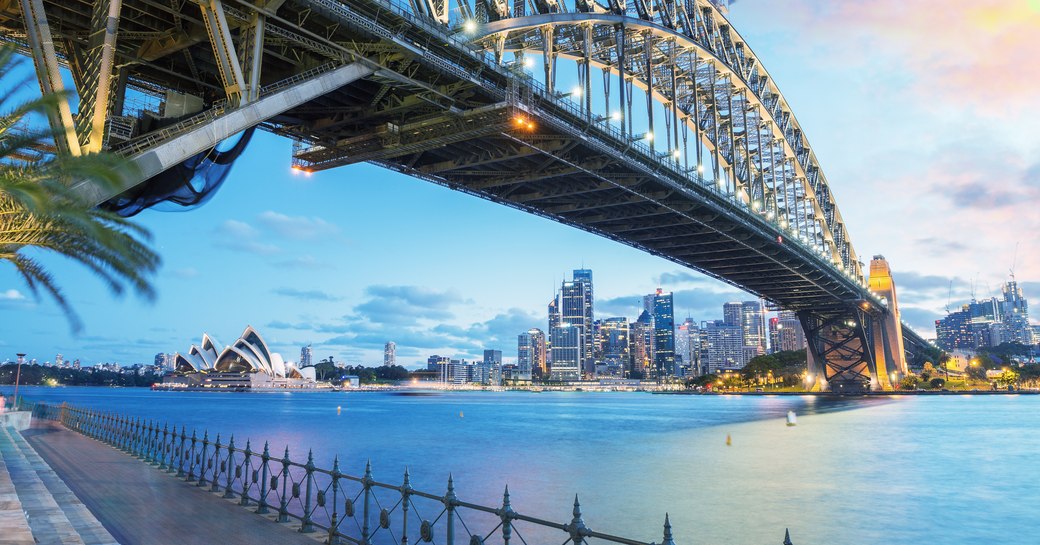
(346,264)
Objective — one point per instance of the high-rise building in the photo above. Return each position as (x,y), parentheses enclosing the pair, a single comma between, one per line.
(306,356)
(1015,310)
(574,311)
(687,347)
(722,346)
(530,354)
(616,346)
(955,331)
(554,322)
(493,366)
(434,362)
(390,354)
(733,314)
(785,332)
(641,343)
(661,309)
(568,343)
(753,325)
(584,277)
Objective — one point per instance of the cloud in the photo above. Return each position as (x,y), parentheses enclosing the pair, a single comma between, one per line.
(970,54)
(241,237)
(306,295)
(296,227)
(185,273)
(12,295)
(305,262)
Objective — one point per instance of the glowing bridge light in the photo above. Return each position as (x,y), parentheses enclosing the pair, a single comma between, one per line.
(528,62)
(677,154)
(470,26)
(576,92)
(615,116)
(700,169)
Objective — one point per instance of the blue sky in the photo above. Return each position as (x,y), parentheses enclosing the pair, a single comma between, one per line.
(930,149)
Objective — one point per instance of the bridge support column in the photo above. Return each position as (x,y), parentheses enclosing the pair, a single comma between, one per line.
(95,82)
(840,350)
(41,42)
(889,340)
(223,49)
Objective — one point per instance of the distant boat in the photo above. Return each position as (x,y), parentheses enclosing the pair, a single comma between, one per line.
(460,415)
(791,419)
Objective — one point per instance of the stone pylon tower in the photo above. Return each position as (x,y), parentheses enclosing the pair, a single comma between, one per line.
(890,359)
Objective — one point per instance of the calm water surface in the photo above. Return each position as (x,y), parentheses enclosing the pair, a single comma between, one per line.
(956,469)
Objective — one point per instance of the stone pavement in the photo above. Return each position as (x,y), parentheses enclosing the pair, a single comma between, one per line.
(140,505)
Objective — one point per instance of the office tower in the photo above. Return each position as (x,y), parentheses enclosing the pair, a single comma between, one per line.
(616,346)
(753,325)
(306,356)
(1015,310)
(584,277)
(493,366)
(641,343)
(530,354)
(390,354)
(567,346)
(664,333)
(687,347)
(574,309)
(733,314)
(434,362)
(554,322)
(722,346)
(790,335)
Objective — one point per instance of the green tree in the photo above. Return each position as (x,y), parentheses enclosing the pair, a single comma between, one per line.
(1008,378)
(39,211)
(909,382)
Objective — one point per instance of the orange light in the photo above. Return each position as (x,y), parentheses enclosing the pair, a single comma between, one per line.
(530,125)
(519,120)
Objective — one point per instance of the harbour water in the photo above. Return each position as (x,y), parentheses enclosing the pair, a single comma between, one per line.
(949,469)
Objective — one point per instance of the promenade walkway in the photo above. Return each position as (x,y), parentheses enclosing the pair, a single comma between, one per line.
(140,505)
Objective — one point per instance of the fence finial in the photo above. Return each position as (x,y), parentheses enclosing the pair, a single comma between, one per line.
(667,532)
(787,537)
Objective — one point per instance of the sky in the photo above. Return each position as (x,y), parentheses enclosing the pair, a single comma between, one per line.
(921,114)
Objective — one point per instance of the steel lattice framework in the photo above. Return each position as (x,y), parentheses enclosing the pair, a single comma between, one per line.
(728,185)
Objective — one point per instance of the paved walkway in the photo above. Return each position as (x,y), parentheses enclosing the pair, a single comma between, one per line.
(140,505)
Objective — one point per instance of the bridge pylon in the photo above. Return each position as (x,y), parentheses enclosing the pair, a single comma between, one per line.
(857,346)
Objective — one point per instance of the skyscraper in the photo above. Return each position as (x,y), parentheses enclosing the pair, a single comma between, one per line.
(390,354)
(641,343)
(554,322)
(660,304)
(616,346)
(753,327)
(493,366)
(1015,309)
(530,354)
(687,347)
(306,356)
(584,277)
(789,334)
(722,345)
(568,343)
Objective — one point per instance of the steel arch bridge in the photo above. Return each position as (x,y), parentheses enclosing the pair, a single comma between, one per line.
(673,139)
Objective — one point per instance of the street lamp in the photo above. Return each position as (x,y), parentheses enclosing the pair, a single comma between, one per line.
(17,378)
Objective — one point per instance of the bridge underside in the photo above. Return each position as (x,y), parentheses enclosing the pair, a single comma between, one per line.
(358,81)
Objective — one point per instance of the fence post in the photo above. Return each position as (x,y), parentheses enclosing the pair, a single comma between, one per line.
(229,462)
(366,482)
(306,526)
(180,457)
(449,506)
(261,507)
(244,474)
(162,447)
(333,539)
(202,459)
(215,463)
(667,532)
(577,526)
(406,492)
(283,504)
(507,517)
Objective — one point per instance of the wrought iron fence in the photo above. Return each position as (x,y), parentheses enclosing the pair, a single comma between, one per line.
(348,509)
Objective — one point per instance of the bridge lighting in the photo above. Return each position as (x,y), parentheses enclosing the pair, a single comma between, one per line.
(783,224)
(677,154)
(649,136)
(770,215)
(528,62)
(756,205)
(700,169)
(470,26)
(615,116)
(576,92)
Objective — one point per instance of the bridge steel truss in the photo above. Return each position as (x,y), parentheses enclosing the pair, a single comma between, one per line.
(425,89)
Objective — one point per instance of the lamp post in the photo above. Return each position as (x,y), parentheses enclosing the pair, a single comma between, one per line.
(17,378)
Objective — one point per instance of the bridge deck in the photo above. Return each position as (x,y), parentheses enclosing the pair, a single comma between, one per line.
(139,505)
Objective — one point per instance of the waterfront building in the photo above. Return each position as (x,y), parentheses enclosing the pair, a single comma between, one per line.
(574,310)
(753,325)
(554,322)
(390,354)
(641,335)
(568,343)
(616,343)
(247,363)
(530,354)
(789,333)
(434,362)
(1015,313)
(687,347)
(492,364)
(661,310)
(306,356)
(722,346)
(584,277)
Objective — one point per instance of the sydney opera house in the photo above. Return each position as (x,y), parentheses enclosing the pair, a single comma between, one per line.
(246,364)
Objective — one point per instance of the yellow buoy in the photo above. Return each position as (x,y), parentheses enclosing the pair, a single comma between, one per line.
(460,415)
(729,441)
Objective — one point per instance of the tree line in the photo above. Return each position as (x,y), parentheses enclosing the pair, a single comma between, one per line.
(40,375)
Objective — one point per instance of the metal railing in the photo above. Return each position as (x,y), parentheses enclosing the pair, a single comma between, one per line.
(345,508)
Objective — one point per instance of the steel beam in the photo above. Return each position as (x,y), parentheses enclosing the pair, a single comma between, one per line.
(41,43)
